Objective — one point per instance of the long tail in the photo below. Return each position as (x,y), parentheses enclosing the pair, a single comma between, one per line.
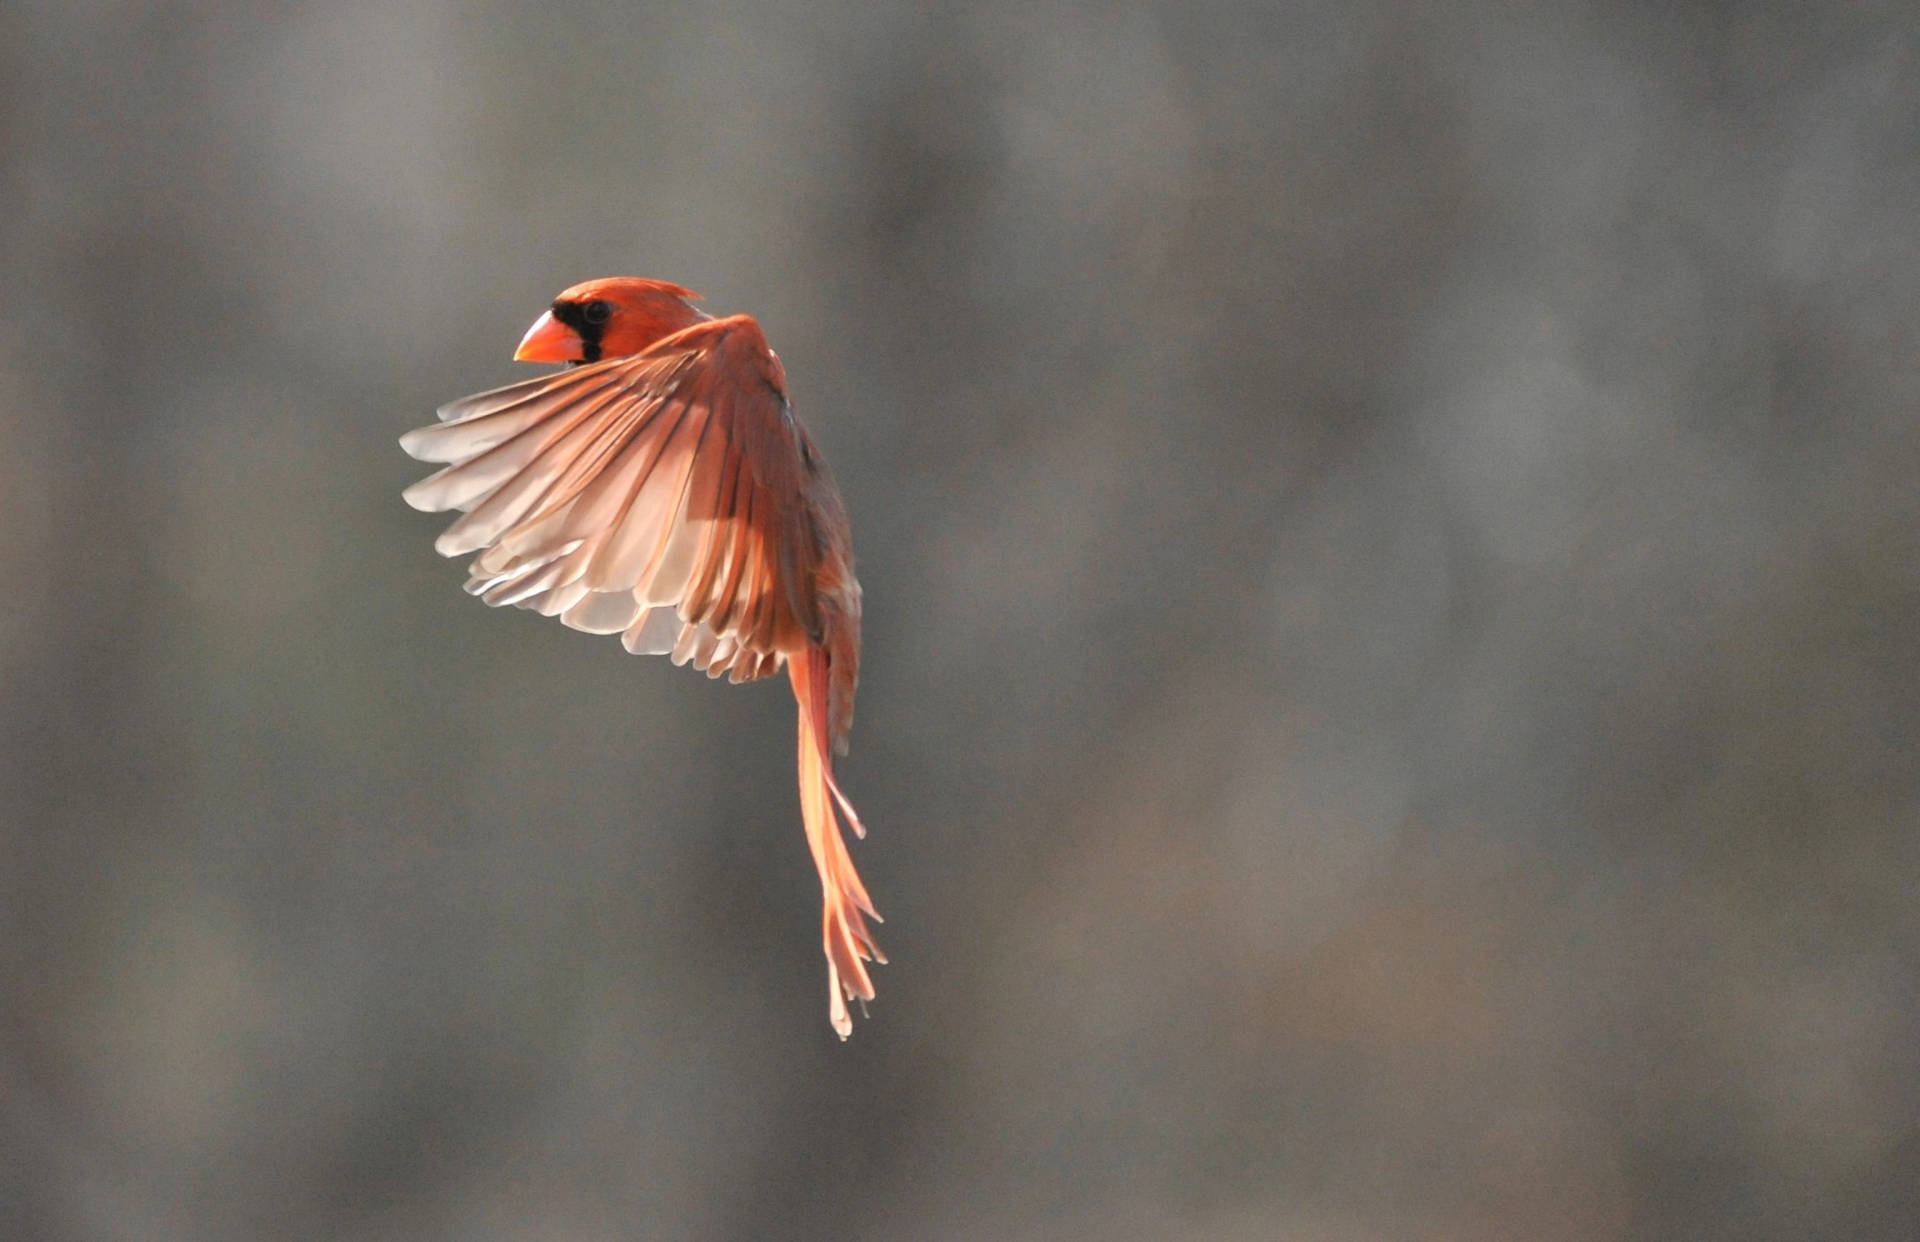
(849,942)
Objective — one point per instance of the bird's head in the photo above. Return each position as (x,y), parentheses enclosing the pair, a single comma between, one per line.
(608,318)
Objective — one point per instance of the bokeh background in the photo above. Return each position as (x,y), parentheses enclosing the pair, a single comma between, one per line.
(1392,584)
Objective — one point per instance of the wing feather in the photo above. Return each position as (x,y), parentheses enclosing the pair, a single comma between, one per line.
(531,491)
(485,426)
(632,550)
(604,612)
(717,551)
(653,632)
(691,533)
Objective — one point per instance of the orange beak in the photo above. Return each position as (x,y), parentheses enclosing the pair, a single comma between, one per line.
(549,340)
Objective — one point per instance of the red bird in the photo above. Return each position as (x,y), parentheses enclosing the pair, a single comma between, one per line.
(660,489)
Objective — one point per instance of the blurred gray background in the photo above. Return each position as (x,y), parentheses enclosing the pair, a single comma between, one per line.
(1391,688)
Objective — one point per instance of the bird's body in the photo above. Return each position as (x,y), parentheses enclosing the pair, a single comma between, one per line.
(661,490)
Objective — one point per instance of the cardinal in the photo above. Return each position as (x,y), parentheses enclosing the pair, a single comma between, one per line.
(660,489)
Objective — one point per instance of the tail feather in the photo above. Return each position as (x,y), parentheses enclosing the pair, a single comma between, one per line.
(849,942)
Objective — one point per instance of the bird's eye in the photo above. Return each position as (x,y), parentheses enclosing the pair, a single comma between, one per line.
(596,311)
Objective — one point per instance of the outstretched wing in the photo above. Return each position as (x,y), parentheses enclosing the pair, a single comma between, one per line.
(667,497)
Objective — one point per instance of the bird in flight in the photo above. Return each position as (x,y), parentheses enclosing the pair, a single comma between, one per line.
(660,489)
